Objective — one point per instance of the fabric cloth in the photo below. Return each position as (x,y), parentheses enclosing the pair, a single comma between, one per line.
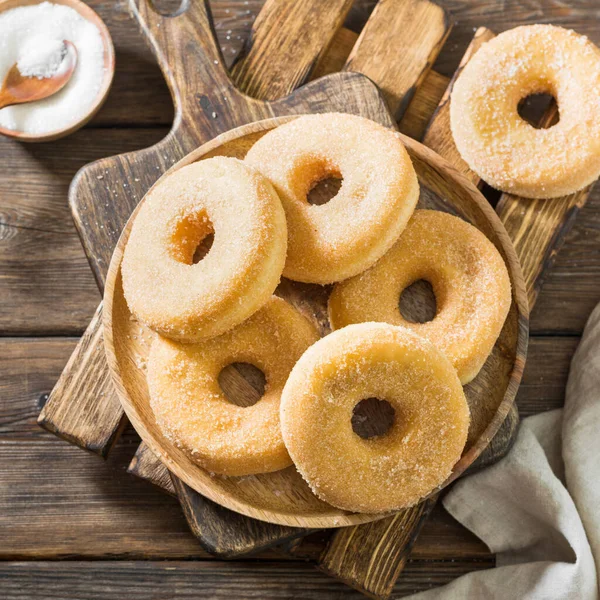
(538,509)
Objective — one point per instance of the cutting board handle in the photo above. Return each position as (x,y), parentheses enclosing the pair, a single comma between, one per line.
(186,48)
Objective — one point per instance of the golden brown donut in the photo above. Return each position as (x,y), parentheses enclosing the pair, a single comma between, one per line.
(498,144)
(191,409)
(391,471)
(190,302)
(469,278)
(379,192)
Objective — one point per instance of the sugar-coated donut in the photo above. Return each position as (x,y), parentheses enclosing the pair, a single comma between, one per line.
(413,457)
(191,409)
(468,276)
(189,302)
(498,144)
(379,192)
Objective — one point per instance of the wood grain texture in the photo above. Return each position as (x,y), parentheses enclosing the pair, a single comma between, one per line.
(93,419)
(438,136)
(39,247)
(538,229)
(337,54)
(189,580)
(373,569)
(427,97)
(267,67)
(146,466)
(398,46)
(227,534)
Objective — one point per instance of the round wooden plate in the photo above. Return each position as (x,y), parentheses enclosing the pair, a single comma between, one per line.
(283,497)
(109,70)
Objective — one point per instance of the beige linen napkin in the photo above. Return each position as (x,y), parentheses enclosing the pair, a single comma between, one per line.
(538,509)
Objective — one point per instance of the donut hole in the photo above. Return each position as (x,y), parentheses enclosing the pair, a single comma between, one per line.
(534,107)
(192,238)
(324,190)
(203,248)
(417,302)
(372,417)
(243,384)
(317,179)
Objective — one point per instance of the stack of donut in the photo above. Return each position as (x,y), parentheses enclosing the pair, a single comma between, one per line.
(370,243)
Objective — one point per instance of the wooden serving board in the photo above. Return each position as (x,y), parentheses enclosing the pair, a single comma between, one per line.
(102,417)
(83,408)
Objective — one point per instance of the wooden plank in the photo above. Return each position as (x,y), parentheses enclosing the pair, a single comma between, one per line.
(571,290)
(266,68)
(538,229)
(35,296)
(385,544)
(371,557)
(190,580)
(93,419)
(398,46)
(337,54)
(501,15)
(58,502)
(145,465)
(438,136)
(28,370)
(424,103)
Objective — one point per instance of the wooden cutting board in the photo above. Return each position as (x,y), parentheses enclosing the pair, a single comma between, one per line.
(207,103)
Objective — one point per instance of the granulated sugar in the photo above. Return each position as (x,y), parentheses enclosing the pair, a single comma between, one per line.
(33,37)
(42,57)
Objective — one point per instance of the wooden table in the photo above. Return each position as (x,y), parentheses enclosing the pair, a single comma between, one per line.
(119,537)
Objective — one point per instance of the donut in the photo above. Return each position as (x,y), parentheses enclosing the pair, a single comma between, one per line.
(468,276)
(502,148)
(189,302)
(345,236)
(191,409)
(391,471)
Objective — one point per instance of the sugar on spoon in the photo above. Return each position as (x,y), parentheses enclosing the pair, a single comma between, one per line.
(18,88)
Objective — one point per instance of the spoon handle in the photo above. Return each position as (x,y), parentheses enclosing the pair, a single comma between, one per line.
(6,99)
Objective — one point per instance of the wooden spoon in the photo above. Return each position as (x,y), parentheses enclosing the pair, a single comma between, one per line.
(18,89)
